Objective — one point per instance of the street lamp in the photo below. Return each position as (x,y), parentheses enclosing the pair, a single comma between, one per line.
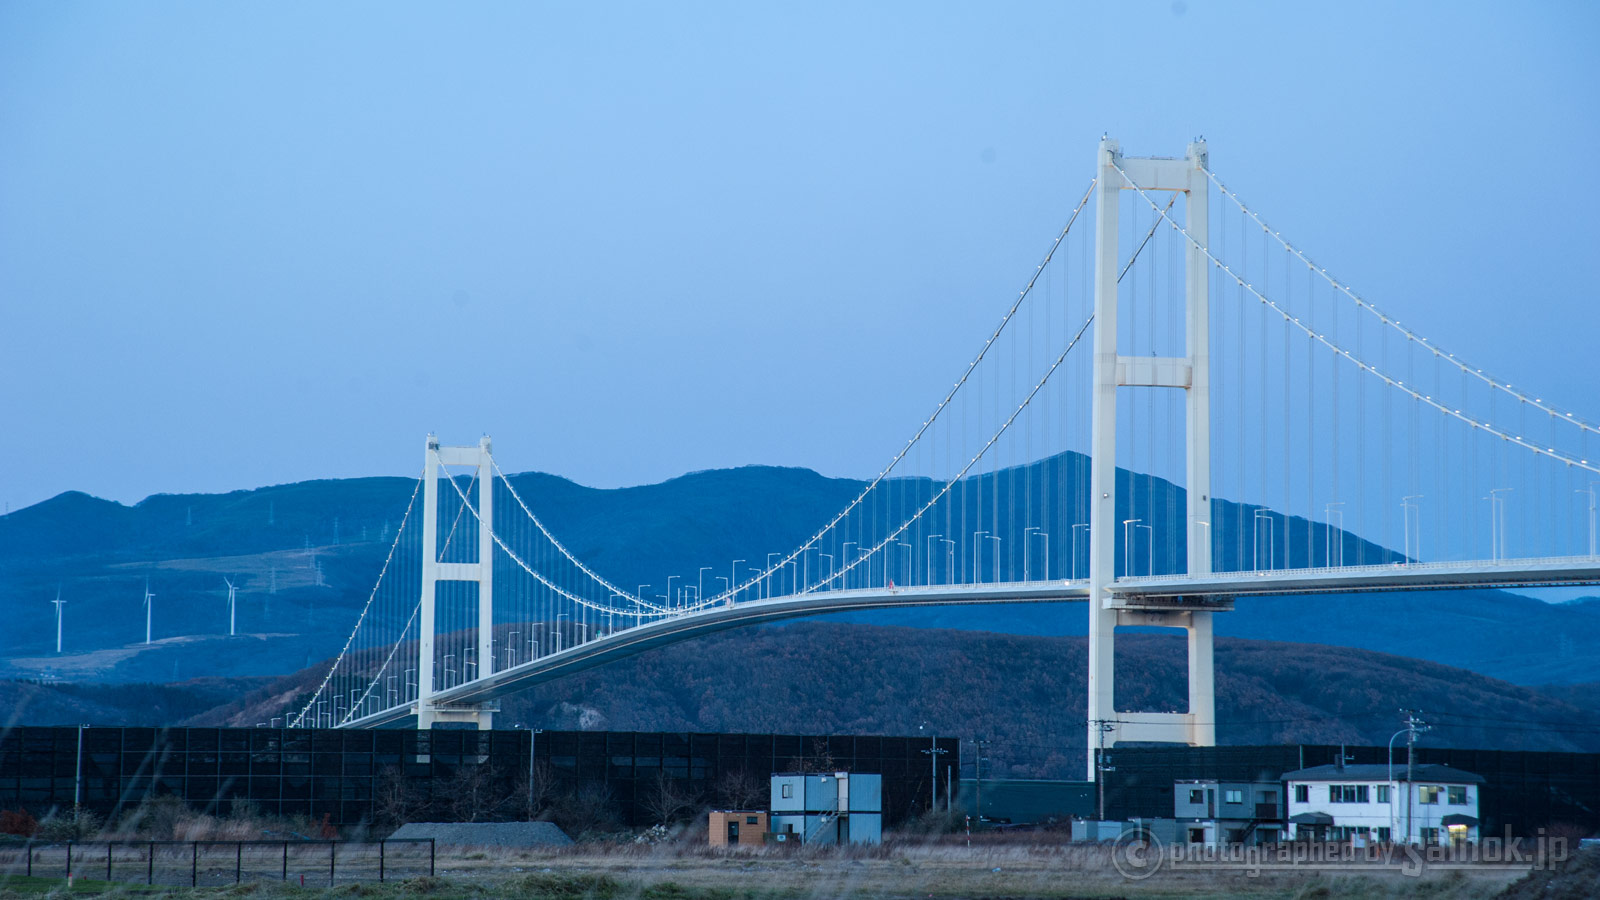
(669,588)
(1406,509)
(1150,548)
(1255,551)
(703,571)
(909,560)
(829,558)
(733,577)
(1127,544)
(951,566)
(977,557)
(1497,525)
(1038,533)
(931,539)
(1087,533)
(996,540)
(1328,515)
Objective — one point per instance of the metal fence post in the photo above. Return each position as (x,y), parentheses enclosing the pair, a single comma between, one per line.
(380,860)
(108,860)
(238,860)
(285,860)
(430,857)
(69,860)
(150,865)
(333,852)
(194,863)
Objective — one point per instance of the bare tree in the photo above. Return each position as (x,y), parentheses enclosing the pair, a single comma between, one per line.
(742,789)
(666,799)
(394,802)
(475,793)
(582,808)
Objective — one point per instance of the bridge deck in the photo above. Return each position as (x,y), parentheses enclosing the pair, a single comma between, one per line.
(1135,592)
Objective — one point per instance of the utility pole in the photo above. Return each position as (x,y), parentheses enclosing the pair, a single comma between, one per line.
(1100,766)
(1414,726)
(934,752)
(979,744)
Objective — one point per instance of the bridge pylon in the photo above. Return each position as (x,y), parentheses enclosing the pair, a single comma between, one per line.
(481,572)
(1190,373)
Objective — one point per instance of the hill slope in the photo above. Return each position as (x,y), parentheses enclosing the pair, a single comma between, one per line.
(1024,692)
(305,555)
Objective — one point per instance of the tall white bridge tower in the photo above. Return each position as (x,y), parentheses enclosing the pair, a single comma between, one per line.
(1189,373)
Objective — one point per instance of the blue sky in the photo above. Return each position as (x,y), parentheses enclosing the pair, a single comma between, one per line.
(245,244)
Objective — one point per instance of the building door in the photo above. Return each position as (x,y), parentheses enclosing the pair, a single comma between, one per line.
(733,832)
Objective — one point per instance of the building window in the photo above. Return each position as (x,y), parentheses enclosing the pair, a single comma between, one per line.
(1196,795)
(1430,836)
(751,820)
(1347,793)
(788,791)
(1302,793)
(1457,795)
(1383,793)
(1428,793)
(1269,797)
(1383,834)
(1233,796)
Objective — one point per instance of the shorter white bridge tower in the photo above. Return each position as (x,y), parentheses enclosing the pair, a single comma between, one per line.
(1190,373)
(433,571)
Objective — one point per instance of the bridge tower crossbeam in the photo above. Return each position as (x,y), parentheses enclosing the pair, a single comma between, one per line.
(1190,373)
(428,711)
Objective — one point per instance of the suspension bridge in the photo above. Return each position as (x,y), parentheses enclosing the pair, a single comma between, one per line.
(1178,407)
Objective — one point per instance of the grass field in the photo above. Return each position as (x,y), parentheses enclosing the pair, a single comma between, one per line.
(937,871)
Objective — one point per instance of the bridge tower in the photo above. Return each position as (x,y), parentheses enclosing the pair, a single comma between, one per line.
(439,459)
(1190,373)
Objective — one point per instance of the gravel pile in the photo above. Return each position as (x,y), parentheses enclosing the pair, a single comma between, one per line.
(486,834)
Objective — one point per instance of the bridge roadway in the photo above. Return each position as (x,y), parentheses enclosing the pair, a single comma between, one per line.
(1140,592)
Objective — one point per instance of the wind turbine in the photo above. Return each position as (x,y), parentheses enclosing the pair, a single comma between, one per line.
(59,603)
(148,606)
(231,592)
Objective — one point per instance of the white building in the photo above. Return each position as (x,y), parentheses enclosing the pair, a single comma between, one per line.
(1369,803)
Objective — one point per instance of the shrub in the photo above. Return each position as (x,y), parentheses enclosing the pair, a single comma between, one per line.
(18,822)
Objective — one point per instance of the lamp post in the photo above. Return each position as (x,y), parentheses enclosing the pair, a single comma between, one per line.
(1497,525)
(996,540)
(1406,509)
(931,539)
(1255,550)
(977,557)
(1045,535)
(1591,492)
(909,560)
(1127,544)
(950,566)
(1392,786)
(1328,515)
(733,576)
(703,571)
(1150,548)
(844,560)
(1085,527)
